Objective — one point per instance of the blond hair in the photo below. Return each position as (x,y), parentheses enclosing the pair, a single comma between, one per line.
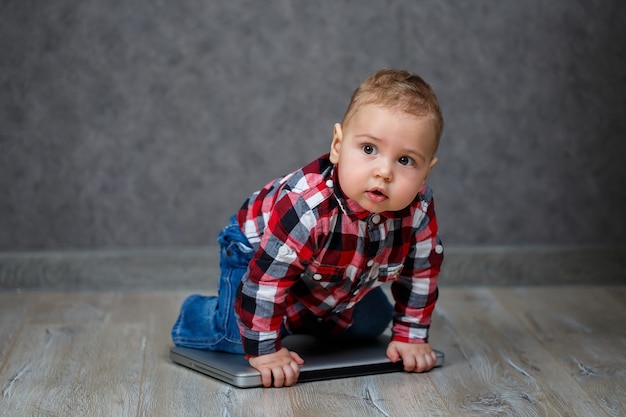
(401,90)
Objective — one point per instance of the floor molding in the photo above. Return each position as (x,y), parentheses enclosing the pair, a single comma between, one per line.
(181,268)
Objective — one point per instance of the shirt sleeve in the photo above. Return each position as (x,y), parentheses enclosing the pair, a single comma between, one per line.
(273,270)
(415,292)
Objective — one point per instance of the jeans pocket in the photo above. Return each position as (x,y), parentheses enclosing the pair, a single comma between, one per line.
(235,250)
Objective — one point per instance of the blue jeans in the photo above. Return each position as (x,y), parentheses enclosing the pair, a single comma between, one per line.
(209,322)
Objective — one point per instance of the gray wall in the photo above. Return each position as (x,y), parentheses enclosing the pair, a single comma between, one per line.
(146,123)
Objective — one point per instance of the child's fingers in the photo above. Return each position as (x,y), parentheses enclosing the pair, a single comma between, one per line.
(279,377)
(423,363)
(280,368)
(392,353)
(286,375)
(409,362)
(297,358)
(266,377)
(415,358)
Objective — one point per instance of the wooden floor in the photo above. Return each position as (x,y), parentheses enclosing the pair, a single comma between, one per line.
(532,351)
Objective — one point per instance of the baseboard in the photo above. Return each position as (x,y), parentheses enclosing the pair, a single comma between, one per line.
(534,265)
(197,268)
(162,268)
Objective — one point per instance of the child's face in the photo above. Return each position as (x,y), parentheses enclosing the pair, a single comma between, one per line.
(384,157)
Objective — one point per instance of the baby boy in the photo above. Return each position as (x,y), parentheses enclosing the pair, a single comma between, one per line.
(309,251)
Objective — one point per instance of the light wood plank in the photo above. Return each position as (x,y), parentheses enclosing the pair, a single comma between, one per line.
(69,360)
(419,395)
(585,331)
(508,352)
(73,369)
(92,307)
(617,294)
(13,308)
(397,394)
(495,366)
(342,398)
(170,389)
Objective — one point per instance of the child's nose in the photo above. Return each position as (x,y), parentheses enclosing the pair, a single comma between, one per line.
(384,169)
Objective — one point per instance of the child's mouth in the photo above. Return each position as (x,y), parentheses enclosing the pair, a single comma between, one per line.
(376,195)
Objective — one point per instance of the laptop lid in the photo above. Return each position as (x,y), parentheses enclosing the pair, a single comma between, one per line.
(322,360)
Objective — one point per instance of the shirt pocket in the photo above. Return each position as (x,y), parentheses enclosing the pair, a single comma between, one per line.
(389,273)
(326,276)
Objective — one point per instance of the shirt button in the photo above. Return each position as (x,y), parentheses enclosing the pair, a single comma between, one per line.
(439,249)
(283,251)
(317,277)
(370,262)
(375,219)
(329,183)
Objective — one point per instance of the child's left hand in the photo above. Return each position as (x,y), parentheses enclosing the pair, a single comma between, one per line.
(416,357)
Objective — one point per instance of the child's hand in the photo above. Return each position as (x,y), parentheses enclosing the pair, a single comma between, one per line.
(416,357)
(282,366)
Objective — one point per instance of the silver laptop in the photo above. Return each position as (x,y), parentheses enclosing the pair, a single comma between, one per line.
(322,360)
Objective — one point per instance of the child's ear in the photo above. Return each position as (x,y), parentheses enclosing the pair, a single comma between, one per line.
(335,145)
(431,166)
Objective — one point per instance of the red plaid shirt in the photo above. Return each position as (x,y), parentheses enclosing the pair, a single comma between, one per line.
(317,253)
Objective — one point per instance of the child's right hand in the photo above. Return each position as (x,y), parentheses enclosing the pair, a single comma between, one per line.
(283,367)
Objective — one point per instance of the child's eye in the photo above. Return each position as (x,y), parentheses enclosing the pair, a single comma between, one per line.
(369,149)
(405,160)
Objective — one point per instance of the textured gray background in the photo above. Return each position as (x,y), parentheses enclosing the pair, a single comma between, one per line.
(147,122)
